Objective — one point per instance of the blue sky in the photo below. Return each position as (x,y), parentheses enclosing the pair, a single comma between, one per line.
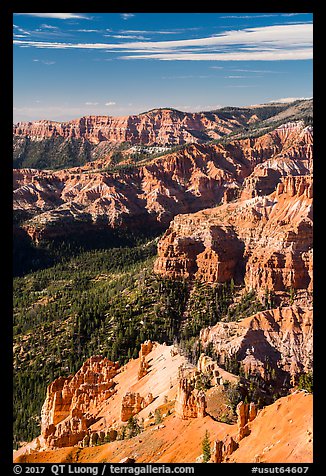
(67,65)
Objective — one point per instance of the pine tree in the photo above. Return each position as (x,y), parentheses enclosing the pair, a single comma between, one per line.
(206,447)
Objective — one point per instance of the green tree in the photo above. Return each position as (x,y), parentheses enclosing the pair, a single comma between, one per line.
(306,382)
(158,416)
(206,447)
(133,427)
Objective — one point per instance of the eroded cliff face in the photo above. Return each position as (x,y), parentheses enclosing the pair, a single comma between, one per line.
(197,177)
(265,241)
(133,403)
(160,126)
(71,403)
(91,406)
(281,338)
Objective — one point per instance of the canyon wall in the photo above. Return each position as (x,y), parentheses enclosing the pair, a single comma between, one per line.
(159,126)
(265,241)
(197,177)
(280,338)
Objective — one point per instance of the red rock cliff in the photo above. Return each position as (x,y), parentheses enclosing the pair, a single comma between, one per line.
(269,237)
(197,177)
(160,126)
(70,402)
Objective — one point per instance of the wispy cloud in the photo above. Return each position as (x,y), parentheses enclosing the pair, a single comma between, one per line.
(238,76)
(46,62)
(269,43)
(110,103)
(272,55)
(87,31)
(264,15)
(21,30)
(49,27)
(188,76)
(173,31)
(60,16)
(126,16)
(89,103)
(242,86)
(129,37)
(259,71)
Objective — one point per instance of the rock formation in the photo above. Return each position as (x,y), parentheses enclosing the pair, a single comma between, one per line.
(265,241)
(222,449)
(69,407)
(133,403)
(206,365)
(145,349)
(283,337)
(159,126)
(246,413)
(190,402)
(196,177)
(281,432)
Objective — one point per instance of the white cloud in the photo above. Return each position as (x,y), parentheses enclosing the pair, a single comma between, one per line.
(265,71)
(126,16)
(110,103)
(236,77)
(264,55)
(60,16)
(130,37)
(87,31)
(21,30)
(269,43)
(160,32)
(47,62)
(49,27)
(91,103)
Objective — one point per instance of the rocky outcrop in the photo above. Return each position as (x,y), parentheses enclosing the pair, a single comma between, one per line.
(159,126)
(133,403)
(143,368)
(94,438)
(246,413)
(265,241)
(281,338)
(145,349)
(281,432)
(193,178)
(294,159)
(128,460)
(69,407)
(190,402)
(206,365)
(223,449)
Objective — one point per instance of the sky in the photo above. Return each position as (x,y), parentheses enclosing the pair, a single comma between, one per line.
(68,65)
